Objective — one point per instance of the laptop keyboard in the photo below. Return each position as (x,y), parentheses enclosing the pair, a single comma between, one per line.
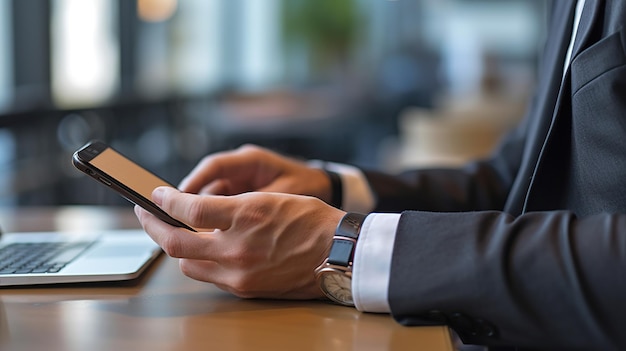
(43,257)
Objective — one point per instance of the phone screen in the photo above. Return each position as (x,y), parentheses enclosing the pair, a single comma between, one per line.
(128,172)
(126,177)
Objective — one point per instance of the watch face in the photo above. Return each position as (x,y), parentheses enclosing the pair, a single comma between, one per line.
(337,287)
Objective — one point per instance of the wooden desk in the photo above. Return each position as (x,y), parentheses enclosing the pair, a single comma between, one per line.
(164,310)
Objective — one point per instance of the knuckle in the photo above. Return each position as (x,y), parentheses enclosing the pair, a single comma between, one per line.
(172,246)
(204,161)
(259,210)
(243,286)
(196,213)
(251,150)
(243,294)
(239,257)
(248,147)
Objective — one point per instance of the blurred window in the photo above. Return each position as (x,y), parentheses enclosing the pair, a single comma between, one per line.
(85,52)
(198,58)
(7,159)
(182,53)
(6,79)
(260,43)
(166,48)
(208,45)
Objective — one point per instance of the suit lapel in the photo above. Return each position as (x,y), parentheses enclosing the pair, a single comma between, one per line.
(589,17)
(560,121)
(542,111)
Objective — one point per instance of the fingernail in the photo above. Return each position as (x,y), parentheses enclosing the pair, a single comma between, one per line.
(157,195)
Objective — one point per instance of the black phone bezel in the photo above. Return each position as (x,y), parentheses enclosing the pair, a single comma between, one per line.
(81,160)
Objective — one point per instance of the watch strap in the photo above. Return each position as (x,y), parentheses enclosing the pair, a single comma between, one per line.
(350,225)
(341,252)
(336,188)
(344,242)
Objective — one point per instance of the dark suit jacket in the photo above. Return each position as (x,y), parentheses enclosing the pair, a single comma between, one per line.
(528,248)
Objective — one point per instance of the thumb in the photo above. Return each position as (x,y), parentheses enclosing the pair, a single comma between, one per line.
(198,211)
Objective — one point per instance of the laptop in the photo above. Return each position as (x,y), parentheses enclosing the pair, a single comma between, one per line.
(37,258)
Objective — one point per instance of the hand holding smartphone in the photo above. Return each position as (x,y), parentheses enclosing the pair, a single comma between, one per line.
(133,182)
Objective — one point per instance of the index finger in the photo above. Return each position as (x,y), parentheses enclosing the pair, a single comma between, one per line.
(213,167)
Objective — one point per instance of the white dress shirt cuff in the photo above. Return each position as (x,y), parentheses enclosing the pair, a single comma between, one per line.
(372,262)
(357,195)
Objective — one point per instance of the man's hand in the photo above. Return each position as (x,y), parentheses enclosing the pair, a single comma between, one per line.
(260,244)
(251,168)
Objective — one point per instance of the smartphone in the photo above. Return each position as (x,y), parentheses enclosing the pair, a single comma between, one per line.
(133,182)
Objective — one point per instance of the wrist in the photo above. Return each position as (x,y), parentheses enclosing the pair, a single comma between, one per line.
(332,189)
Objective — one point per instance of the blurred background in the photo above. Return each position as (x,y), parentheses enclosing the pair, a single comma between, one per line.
(388,84)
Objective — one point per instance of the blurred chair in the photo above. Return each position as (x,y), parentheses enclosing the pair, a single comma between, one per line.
(454,134)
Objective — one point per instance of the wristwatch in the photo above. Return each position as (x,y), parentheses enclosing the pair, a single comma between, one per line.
(334,275)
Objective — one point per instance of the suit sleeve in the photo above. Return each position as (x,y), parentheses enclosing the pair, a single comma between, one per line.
(543,280)
(540,280)
(480,185)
